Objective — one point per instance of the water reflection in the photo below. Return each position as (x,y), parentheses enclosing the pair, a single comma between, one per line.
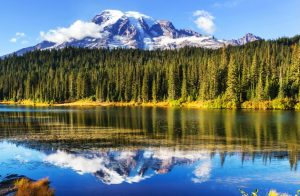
(116,167)
(113,167)
(113,127)
(128,145)
(128,166)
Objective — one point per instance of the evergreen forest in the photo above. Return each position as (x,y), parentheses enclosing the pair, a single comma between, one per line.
(258,71)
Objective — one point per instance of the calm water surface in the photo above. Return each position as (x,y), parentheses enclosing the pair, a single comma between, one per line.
(151,151)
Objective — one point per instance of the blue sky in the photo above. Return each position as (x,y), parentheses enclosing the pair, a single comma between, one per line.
(23,20)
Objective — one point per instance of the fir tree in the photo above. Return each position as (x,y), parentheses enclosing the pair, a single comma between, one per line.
(232,91)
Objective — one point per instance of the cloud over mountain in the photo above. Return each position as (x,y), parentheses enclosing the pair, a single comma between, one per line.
(78,30)
(117,29)
(205,21)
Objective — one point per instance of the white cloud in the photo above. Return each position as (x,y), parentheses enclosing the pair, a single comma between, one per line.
(202,172)
(19,34)
(78,30)
(13,40)
(80,164)
(205,21)
(17,37)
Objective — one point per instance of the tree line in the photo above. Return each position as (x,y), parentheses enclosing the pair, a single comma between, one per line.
(261,70)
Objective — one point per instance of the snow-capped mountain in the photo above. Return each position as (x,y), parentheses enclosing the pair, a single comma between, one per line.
(249,37)
(135,30)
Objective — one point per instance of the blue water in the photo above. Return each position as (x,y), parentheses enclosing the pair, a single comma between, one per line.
(152,151)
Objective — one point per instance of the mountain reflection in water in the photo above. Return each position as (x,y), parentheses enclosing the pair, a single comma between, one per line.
(116,167)
(204,150)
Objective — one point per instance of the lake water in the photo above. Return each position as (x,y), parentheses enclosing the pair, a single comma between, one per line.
(152,151)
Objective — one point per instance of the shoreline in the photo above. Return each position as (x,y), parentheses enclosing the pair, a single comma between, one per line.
(277,104)
(86,104)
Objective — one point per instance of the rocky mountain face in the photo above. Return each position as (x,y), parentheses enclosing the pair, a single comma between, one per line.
(138,31)
(249,37)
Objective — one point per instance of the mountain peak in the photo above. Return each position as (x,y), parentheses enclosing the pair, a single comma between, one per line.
(117,14)
(137,15)
(249,37)
(133,29)
(108,15)
(164,22)
(112,12)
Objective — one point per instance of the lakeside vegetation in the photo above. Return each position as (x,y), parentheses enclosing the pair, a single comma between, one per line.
(259,75)
(26,187)
(16,185)
(271,193)
(276,104)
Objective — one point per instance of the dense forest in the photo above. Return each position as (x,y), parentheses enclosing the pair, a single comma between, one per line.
(261,70)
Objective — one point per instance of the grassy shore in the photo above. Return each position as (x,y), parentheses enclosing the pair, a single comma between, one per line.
(277,104)
(85,102)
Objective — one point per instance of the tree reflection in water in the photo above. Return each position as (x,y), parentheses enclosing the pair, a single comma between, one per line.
(130,145)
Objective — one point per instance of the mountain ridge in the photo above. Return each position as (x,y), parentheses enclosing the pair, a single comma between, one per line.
(134,30)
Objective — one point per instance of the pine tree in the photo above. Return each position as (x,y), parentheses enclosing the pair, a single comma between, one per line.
(145,87)
(254,75)
(79,94)
(213,79)
(295,70)
(281,87)
(154,91)
(28,88)
(184,85)
(233,91)
(72,89)
(260,89)
(171,83)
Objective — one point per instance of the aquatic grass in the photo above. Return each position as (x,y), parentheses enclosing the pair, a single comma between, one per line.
(218,103)
(243,193)
(297,106)
(275,193)
(276,104)
(272,192)
(25,187)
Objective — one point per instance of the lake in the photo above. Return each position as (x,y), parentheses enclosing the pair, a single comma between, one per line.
(151,151)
